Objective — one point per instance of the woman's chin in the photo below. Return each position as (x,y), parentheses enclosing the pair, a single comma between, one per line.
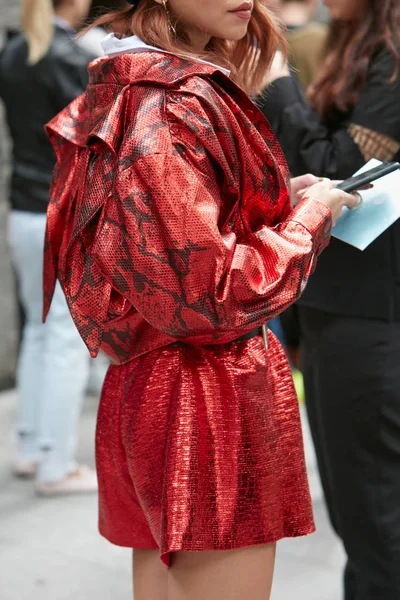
(236,36)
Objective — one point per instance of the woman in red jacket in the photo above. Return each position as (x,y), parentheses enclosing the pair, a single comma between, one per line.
(172,234)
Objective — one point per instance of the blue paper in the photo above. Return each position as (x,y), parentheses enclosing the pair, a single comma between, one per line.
(379,210)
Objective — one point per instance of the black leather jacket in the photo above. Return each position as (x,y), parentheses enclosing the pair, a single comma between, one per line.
(33,95)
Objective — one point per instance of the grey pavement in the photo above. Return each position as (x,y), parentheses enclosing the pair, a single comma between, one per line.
(50,548)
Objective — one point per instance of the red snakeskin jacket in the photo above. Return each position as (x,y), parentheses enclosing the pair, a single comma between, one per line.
(169,216)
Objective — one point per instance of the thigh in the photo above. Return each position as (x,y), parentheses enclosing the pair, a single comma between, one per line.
(231,574)
(26,239)
(149,576)
(62,336)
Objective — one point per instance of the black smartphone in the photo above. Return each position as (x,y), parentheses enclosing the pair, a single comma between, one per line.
(353,184)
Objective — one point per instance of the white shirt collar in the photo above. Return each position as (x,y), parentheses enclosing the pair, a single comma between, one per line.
(114,46)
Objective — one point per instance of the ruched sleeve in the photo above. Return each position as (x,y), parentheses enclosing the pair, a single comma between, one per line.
(159,245)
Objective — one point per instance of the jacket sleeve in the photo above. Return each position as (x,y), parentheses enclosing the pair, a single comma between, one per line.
(160,247)
(310,144)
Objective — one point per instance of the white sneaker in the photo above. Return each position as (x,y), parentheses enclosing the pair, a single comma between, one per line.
(82,481)
(24,468)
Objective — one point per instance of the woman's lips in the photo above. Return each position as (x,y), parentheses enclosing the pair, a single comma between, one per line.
(242,14)
(243,11)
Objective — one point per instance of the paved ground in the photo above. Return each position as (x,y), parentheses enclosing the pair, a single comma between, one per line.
(50,549)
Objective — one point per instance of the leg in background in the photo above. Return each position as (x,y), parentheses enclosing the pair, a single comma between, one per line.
(228,575)
(350,581)
(150,576)
(311,322)
(65,375)
(356,382)
(26,234)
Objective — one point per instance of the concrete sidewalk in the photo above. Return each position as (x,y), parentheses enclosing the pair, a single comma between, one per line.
(50,549)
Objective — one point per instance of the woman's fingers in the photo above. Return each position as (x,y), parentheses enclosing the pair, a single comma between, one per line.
(303,182)
(357,201)
(299,186)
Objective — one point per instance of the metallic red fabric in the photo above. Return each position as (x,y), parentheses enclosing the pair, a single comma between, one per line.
(170,221)
(200,448)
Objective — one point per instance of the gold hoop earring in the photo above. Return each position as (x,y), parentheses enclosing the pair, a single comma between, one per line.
(171,26)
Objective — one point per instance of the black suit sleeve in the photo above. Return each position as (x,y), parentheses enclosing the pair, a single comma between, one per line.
(310,144)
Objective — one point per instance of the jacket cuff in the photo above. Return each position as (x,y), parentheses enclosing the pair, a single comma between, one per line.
(316,217)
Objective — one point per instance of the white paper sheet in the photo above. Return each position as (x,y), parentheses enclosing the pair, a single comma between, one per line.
(380,209)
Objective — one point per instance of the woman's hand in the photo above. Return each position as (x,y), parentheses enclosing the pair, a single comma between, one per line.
(299,186)
(278,69)
(324,191)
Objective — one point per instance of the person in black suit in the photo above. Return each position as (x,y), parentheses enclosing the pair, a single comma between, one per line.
(350,312)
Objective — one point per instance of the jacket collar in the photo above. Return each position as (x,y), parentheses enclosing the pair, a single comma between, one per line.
(114,46)
(95,112)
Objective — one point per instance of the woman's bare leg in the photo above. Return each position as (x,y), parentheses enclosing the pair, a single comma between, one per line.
(231,575)
(149,576)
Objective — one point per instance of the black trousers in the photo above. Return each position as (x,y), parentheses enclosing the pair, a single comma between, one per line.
(352,380)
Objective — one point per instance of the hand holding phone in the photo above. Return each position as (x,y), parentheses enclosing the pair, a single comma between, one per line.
(325,191)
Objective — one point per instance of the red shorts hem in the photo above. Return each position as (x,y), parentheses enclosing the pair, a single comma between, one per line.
(165,555)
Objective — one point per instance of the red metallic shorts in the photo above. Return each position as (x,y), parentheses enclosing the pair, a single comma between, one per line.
(200,448)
